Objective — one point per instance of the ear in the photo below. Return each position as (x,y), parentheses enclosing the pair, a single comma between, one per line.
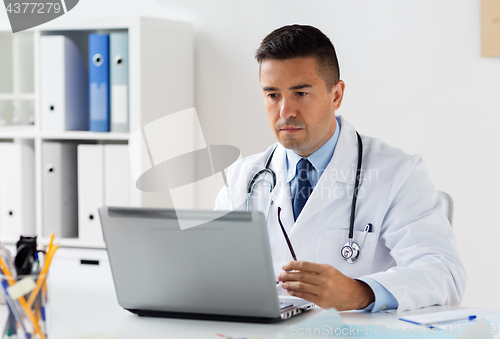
(338,94)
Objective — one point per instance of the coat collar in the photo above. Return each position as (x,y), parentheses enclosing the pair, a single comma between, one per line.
(343,165)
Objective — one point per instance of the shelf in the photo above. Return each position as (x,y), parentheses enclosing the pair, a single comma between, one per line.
(70,24)
(78,24)
(66,24)
(62,242)
(17,96)
(30,132)
(84,135)
(19,131)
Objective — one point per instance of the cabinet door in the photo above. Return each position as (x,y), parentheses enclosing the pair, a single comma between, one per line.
(75,265)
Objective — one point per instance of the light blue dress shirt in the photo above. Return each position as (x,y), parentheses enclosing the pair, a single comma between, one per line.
(384,299)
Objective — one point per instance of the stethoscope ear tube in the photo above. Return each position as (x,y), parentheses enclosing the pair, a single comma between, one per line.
(266,169)
(253,181)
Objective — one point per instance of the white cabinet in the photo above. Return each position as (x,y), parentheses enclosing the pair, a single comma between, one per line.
(75,265)
(161,81)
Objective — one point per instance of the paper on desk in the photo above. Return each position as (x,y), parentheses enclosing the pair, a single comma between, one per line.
(439,317)
(487,324)
(480,329)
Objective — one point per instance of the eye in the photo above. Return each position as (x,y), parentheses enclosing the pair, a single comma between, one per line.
(301,94)
(273,95)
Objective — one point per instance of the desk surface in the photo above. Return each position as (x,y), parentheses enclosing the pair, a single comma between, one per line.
(83,310)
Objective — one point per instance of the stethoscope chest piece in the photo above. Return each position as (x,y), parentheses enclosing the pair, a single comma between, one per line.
(350,252)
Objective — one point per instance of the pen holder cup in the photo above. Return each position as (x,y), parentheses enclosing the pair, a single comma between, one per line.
(27,309)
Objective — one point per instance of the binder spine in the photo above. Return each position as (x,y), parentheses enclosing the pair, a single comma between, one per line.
(99,82)
(118,46)
(77,90)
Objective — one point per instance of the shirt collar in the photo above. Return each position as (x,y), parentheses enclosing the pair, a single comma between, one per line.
(319,159)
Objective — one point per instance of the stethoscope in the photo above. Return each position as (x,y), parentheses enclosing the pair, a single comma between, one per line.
(351,251)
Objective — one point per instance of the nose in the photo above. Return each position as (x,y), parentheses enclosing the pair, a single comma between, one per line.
(287,108)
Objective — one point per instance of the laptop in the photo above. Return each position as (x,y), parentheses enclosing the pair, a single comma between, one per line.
(219,270)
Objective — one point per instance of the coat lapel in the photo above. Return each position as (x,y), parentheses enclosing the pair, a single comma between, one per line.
(341,168)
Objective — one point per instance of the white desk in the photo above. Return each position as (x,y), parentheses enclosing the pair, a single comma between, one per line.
(82,310)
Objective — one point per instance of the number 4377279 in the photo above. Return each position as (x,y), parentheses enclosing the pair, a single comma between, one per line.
(33,7)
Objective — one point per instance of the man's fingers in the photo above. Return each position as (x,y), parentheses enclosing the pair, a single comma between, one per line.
(303,266)
(311,278)
(299,286)
(305,295)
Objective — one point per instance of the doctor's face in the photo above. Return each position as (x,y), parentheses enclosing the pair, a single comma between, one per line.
(300,109)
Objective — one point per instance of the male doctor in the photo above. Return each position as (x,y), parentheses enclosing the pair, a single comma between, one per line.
(408,256)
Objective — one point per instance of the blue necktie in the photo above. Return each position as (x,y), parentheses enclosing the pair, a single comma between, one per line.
(304,188)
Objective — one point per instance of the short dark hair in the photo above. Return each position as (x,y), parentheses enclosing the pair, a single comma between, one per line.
(302,41)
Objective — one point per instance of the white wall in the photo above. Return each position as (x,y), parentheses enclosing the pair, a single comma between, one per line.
(414,78)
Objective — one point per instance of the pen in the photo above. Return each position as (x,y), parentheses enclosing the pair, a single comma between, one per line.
(441,321)
(367,229)
(286,236)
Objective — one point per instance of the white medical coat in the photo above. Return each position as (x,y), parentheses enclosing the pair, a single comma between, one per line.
(411,250)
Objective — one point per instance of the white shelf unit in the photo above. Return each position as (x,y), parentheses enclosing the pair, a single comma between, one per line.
(161,81)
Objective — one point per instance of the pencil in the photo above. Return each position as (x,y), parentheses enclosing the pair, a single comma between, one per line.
(51,242)
(42,276)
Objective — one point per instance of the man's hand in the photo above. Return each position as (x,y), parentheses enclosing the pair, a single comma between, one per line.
(325,286)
